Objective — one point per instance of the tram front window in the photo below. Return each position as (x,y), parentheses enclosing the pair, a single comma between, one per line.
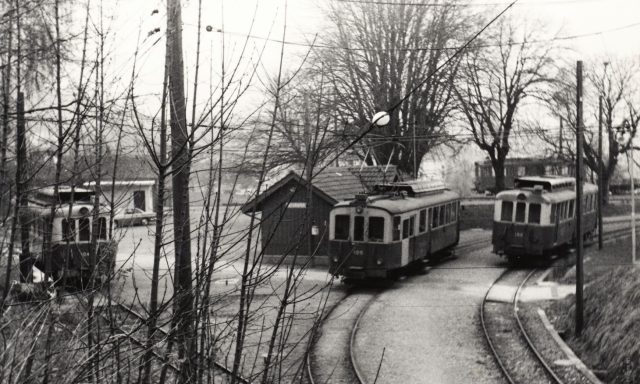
(102,228)
(534,213)
(68,230)
(520,212)
(376,229)
(85,229)
(358,228)
(506,213)
(341,230)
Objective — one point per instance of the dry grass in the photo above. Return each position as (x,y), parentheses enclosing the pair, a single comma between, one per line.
(610,342)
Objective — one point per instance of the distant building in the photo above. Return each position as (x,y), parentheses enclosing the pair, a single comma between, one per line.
(285,226)
(128,193)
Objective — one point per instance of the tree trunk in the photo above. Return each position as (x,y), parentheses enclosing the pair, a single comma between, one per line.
(498,168)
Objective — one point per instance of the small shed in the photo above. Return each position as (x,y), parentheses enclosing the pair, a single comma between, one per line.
(286,219)
(128,193)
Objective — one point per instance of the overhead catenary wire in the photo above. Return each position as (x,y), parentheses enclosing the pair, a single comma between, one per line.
(418,49)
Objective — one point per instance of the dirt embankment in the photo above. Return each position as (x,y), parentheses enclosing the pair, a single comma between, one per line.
(610,342)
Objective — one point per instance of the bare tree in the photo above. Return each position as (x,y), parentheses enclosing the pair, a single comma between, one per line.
(495,78)
(616,83)
(386,57)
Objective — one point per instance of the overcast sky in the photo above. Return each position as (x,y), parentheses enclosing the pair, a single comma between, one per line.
(606,27)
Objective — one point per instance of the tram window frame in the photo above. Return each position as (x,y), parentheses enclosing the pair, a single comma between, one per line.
(534,214)
(571,211)
(396,228)
(521,215)
(405,229)
(358,228)
(84,229)
(434,217)
(412,225)
(454,212)
(505,204)
(339,223)
(376,229)
(66,234)
(422,222)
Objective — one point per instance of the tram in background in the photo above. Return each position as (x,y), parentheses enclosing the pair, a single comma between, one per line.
(538,216)
(395,226)
(485,179)
(71,230)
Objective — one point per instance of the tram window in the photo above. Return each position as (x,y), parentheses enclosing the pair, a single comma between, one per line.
(396,228)
(571,204)
(412,225)
(405,228)
(68,230)
(341,230)
(422,223)
(85,229)
(454,212)
(102,228)
(434,218)
(376,228)
(520,211)
(534,213)
(448,214)
(506,213)
(442,211)
(358,228)
(552,218)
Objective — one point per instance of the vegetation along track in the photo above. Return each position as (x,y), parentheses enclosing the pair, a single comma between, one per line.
(130,323)
(332,358)
(509,342)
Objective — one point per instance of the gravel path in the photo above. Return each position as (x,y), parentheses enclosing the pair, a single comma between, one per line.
(429,325)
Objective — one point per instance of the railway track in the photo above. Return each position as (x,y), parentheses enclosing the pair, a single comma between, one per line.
(332,358)
(515,353)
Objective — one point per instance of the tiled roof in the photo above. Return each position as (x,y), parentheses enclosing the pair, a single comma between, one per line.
(338,182)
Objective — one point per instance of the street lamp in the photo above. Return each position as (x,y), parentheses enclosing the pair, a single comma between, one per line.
(624,137)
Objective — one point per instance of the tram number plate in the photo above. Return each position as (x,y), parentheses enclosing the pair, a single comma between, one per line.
(519,235)
(358,252)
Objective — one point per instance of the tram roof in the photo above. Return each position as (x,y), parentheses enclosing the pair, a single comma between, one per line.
(546,196)
(47,196)
(412,187)
(548,183)
(398,204)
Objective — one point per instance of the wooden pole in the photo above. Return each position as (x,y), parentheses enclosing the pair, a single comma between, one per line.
(578,204)
(183,311)
(600,172)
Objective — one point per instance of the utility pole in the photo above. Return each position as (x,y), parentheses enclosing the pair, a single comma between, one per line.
(560,150)
(415,161)
(600,171)
(578,205)
(183,308)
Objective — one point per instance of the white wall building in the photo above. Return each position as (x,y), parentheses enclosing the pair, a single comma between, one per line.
(128,193)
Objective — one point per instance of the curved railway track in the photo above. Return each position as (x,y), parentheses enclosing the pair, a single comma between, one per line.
(332,358)
(516,355)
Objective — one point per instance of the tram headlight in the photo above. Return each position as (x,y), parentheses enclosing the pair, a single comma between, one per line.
(335,259)
(379,261)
